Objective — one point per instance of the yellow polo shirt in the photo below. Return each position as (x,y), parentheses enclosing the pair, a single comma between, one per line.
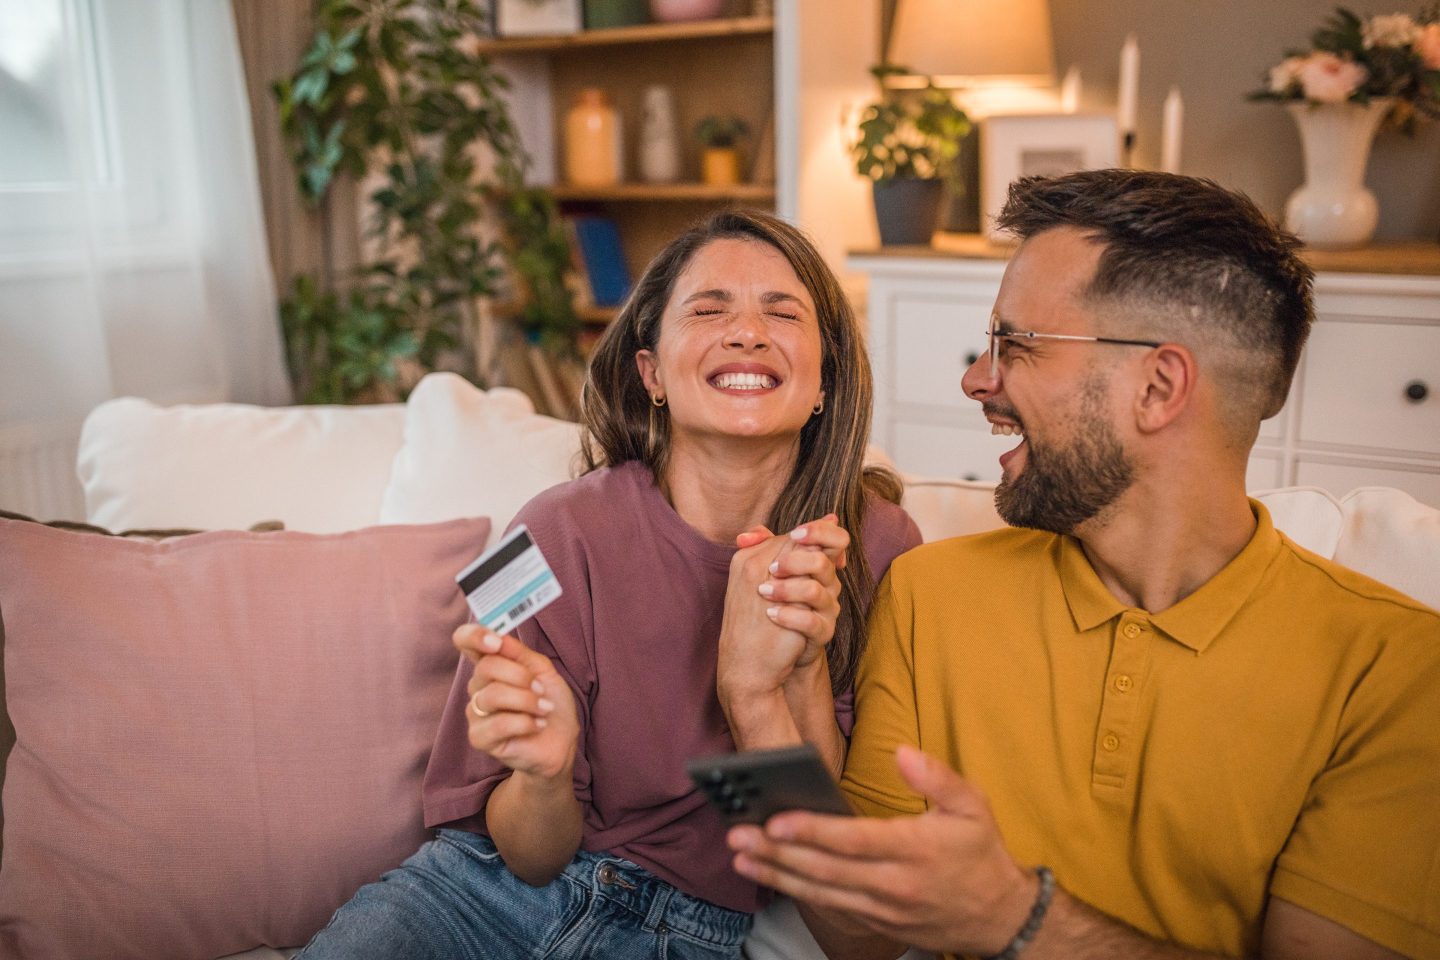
(1275,732)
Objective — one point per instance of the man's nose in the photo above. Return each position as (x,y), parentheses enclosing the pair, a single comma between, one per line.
(980,381)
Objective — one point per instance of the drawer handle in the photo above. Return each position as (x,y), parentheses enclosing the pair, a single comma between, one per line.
(1416,391)
(970,358)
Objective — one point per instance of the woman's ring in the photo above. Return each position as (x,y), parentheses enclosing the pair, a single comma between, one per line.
(475,706)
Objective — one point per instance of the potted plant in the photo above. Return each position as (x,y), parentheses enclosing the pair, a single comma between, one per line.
(396,92)
(908,145)
(1358,73)
(720,135)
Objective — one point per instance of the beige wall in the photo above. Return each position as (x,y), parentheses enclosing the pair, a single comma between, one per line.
(1216,51)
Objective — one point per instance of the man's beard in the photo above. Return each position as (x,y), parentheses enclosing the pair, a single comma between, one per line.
(1062,487)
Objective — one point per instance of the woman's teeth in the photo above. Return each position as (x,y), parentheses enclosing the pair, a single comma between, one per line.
(744,381)
(1006,430)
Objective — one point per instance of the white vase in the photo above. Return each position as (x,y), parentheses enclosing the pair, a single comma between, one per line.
(659,138)
(1333,208)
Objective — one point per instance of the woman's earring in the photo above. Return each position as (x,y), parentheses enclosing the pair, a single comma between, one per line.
(819,407)
(657,399)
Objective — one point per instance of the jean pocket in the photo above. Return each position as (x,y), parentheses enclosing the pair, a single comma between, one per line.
(477,846)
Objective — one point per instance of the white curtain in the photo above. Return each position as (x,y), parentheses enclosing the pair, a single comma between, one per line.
(132,249)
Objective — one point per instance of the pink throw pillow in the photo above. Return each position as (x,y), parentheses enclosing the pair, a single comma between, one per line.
(219,737)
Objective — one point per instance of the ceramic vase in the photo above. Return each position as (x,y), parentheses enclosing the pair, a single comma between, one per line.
(720,166)
(907,210)
(1333,209)
(671,11)
(659,153)
(592,141)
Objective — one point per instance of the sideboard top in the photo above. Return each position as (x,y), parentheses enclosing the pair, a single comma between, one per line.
(1407,257)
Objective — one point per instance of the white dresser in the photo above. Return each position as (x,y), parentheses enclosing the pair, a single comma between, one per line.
(1364,409)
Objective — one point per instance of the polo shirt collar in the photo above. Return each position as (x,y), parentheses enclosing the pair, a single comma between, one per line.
(1196,620)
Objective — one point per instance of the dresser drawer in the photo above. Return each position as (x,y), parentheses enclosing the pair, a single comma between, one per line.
(931,450)
(1354,389)
(936,337)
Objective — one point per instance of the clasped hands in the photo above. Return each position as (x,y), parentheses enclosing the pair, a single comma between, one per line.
(781,605)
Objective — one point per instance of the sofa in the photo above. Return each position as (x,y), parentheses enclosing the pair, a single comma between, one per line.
(214,737)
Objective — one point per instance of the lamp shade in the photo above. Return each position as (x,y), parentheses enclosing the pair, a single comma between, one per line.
(966,43)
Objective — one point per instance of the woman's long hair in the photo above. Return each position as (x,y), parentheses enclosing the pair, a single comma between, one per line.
(621,424)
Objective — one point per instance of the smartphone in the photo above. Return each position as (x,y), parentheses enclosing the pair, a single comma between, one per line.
(753,786)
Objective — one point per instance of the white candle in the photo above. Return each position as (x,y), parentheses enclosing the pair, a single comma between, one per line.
(1129,83)
(1172,118)
(1070,91)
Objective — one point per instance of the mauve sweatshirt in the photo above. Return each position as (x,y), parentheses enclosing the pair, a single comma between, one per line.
(635,635)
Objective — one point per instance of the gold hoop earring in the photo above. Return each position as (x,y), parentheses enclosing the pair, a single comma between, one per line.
(657,400)
(819,407)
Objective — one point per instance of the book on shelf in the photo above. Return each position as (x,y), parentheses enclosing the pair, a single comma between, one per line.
(577,278)
(601,259)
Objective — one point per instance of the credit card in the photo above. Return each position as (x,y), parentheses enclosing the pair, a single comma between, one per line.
(509,583)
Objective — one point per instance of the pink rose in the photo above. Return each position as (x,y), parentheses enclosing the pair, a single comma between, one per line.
(1427,45)
(1326,78)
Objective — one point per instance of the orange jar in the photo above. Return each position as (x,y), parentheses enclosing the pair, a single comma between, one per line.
(592,141)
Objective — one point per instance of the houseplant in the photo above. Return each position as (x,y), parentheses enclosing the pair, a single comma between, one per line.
(396,92)
(1358,74)
(908,145)
(720,135)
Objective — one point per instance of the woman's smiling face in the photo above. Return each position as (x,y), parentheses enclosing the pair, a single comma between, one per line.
(739,350)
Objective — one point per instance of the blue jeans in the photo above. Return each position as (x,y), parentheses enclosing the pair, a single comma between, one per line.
(456,900)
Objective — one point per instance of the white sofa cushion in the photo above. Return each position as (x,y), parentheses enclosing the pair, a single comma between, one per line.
(1308,515)
(1391,536)
(228,466)
(474,453)
(951,508)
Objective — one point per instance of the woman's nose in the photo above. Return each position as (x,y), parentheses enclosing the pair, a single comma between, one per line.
(747,331)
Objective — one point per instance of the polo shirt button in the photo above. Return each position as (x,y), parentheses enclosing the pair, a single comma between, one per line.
(1123,682)
(1132,630)
(1111,742)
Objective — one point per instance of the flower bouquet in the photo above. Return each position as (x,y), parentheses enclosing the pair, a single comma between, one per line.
(1355,59)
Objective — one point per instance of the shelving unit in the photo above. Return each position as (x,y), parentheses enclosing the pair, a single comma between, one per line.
(643,33)
(651,192)
(723,66)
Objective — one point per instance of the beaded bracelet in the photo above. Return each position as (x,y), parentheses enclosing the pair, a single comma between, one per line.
(1031,926)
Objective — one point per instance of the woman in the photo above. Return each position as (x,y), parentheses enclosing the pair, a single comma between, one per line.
(731,397)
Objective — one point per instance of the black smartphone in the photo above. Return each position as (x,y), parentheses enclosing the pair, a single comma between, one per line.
(752,786)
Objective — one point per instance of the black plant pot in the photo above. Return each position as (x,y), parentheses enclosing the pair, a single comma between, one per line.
(907,211)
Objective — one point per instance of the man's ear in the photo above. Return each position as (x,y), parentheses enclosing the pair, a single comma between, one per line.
(649,369)
(1168,388)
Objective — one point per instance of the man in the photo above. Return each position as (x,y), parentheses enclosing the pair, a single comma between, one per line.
(1154,727)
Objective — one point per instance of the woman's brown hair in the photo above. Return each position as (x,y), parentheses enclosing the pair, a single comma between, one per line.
(621,424)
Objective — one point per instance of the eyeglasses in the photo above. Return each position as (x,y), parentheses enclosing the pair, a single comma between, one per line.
(994,337)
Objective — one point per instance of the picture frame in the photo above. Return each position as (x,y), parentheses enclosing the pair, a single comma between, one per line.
(537,18)
(1039,144)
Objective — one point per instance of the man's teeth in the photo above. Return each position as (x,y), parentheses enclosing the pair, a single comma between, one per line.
(1006,430)
(744,381)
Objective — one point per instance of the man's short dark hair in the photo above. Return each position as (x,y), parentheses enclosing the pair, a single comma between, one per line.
(1187,260)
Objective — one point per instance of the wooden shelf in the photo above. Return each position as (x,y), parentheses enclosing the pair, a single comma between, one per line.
(764,192)
(643,33)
